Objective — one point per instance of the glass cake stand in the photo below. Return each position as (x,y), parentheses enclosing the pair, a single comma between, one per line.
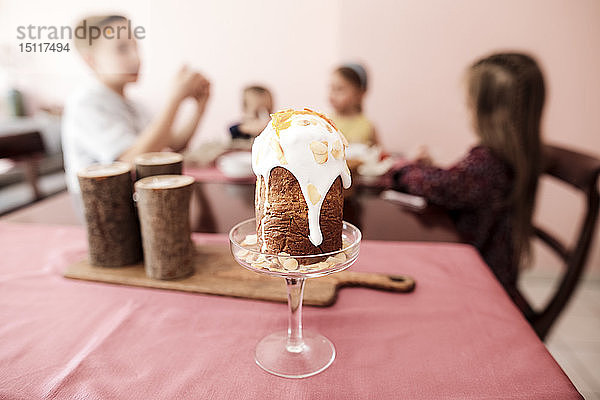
(293,353)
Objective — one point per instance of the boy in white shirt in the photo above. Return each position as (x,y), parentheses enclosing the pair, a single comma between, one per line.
(100,125)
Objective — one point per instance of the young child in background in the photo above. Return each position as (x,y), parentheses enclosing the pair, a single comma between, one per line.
(101,125)
(491,193)
(346,92)
(257,105)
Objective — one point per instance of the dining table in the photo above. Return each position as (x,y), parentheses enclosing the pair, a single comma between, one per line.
(220,202)
(456,336)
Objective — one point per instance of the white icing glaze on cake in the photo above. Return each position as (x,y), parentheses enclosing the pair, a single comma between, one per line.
(308,145)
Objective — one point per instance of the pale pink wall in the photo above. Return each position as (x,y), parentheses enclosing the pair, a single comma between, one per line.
(416,52)
(287,46)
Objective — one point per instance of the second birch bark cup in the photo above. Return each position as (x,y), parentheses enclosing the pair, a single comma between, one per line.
(163,203)
(158,163)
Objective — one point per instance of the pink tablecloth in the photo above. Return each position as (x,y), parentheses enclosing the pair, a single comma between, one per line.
(456,336)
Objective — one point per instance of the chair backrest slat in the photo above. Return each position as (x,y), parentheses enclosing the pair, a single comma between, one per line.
(553,243)
(21,144)
(577,169)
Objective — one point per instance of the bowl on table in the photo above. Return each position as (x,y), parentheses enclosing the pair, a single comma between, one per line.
(236,164)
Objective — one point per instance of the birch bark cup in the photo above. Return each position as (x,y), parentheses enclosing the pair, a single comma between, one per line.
(158,163)
(163,203)
(112,226)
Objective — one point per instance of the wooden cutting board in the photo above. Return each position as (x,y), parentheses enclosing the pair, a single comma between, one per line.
(218,273)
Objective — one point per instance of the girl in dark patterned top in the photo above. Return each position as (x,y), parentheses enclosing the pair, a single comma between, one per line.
(490,194)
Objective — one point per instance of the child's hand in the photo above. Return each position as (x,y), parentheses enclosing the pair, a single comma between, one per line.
(423,157)
(255,123)
(263,115)
(187,83)
(202,91)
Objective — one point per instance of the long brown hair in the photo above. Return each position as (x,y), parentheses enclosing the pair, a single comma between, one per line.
(507,94)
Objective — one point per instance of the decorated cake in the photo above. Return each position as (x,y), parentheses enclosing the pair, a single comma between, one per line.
(300,164)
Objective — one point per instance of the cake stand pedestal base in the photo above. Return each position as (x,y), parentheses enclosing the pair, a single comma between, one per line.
(308,356)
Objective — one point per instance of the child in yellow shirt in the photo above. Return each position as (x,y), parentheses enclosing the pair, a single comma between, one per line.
(346,92)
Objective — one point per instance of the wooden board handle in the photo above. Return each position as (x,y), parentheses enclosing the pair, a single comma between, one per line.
(389,282)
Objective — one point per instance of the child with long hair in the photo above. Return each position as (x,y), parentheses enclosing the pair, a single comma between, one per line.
(490,193)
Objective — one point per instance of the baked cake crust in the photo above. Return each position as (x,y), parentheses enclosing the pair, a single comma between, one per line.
(285,226)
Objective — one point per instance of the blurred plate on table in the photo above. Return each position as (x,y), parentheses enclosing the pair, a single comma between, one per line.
(236,165)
